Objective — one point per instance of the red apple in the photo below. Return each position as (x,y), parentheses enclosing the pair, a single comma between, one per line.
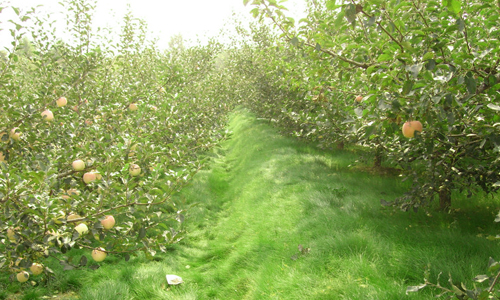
(359,98)
(410,127)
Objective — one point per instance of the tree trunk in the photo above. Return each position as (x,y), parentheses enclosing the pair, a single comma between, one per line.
(340,145)
(444,199)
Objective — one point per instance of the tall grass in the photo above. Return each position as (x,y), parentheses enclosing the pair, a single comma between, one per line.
(264,195)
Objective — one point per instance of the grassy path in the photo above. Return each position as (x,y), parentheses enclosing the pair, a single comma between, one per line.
(266,195)
(262,197)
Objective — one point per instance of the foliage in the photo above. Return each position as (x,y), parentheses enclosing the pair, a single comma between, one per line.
(409,60)
(180,113)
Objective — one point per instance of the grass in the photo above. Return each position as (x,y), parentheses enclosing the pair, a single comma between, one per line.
(262,197)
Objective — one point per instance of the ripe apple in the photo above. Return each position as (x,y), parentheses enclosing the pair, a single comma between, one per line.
(78,165)
(14,135)
(134,170)
(89,177)
(47,115)
(36,269)
(82,229)
(23,276)
(359,98)
(61,102)
(108,223)
(99,254)
(132,106)
(11,234)
(410,127)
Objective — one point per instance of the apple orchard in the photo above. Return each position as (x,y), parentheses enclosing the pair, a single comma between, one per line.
(97,135)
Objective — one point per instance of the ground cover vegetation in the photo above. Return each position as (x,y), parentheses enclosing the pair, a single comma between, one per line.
(98,136)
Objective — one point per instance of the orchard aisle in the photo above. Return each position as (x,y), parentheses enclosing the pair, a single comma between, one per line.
(278,219)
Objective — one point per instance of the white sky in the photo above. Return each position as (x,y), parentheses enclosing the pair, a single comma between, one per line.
(194,19)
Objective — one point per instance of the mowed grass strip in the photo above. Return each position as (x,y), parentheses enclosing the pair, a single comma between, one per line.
(279,219)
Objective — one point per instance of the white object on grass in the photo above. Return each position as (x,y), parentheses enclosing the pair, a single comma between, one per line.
(174,280)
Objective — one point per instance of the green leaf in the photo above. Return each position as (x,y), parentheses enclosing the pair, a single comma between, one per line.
(332,4)
(350,13)
(453,6)
(294,41)
(470,83)
(245,2)
(384,57)
(408,85)
(481,278)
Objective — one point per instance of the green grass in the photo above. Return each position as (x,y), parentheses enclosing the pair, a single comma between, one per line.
(263,196)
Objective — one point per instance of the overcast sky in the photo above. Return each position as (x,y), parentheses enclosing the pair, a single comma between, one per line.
(165,18)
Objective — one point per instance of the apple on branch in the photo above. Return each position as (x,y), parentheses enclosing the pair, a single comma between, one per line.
(410,127)
(99,254)
(78,165)
(23,276)
(61,102)
(134,170)
(89,177)
(133,106)
(14,134)
(36,269)
(47,115)
(108,222)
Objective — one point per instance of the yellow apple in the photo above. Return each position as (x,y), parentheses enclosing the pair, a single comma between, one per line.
(15,135)
(132,106)
(89,177)
(2,157)
(134,170)
(78,165)
(161,90)
(410,127)
(23,276)
(82,229)
(99,254)
(108,223)
(98,175)
(36,269)
(61,102)
(11,234)
(47,115)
